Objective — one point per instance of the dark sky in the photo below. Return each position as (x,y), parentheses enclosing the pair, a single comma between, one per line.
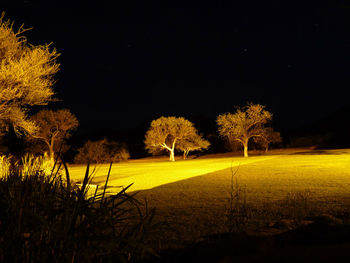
(121,66)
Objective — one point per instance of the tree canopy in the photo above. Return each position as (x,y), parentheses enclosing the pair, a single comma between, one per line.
(245,123)
(195,142)
(54,127)
(26,77)
(268,136)
(164,133)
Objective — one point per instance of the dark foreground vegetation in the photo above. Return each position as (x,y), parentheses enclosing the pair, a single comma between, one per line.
(290,231)
(324,240)
(46,218)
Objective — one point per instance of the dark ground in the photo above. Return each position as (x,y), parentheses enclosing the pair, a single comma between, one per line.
(323,240)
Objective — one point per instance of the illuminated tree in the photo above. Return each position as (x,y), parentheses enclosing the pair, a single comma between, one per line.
(246,123)
(165,132)
(193,143)
(53,127)
(268,136)
(26,77)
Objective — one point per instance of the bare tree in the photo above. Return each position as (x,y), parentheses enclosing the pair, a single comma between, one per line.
(246,123)
(193,143)
(54,127)
(165,132)
(26,77)
(268,136)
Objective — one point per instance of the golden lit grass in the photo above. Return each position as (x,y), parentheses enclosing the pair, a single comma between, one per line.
(192,195)
(152,173)
(196,207)
(321,172)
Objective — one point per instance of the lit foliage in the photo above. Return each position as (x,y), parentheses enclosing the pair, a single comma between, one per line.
(195,142)
(268,136)
(54,127)
(26,77)
(5,165)
(246,123)
(32,164)
(102,151)
(165,132)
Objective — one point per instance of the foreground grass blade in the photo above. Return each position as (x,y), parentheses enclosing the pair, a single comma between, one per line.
(104,190)
(67,176)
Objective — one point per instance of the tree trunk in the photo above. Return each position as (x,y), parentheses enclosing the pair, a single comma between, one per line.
(52,154)
(172,156)
(245,145)
(186,152)
(172,152)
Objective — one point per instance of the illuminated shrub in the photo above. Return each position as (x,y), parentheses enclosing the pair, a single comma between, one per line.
(122,155)
(32,164)
(29,164)
(5,165)
(102,151)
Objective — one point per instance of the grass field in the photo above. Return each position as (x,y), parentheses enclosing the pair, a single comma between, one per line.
(192,196)
(150,173)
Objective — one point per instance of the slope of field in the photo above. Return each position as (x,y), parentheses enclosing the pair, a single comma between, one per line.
(146,174)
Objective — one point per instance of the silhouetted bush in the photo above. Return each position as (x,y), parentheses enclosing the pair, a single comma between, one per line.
(102,151)
(305,141)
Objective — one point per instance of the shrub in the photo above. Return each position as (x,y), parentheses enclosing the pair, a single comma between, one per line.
(32,164)
(102,151)
(48,219)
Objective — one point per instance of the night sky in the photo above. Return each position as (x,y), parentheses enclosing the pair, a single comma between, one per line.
(124,66)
